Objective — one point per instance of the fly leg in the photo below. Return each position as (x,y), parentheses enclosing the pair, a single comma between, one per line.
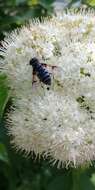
(34,80)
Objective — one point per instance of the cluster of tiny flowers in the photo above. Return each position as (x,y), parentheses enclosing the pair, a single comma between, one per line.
(56,122)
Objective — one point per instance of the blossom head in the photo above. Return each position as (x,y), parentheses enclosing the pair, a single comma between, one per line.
(60,121)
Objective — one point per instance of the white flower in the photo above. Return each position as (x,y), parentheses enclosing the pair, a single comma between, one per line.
(59,122)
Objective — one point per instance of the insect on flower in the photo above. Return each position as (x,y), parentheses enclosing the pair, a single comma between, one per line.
(39,69)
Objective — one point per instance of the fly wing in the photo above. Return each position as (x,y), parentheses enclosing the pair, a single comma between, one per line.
(55,70)
(58,76)
(58,73)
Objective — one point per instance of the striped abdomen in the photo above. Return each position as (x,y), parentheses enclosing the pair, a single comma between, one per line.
(43,74)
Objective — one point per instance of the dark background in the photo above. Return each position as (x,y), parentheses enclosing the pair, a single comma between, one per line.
(16,171)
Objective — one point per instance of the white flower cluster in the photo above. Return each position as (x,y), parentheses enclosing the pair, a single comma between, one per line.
(59,122)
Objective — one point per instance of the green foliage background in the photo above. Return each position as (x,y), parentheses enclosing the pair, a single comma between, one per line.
(16,171)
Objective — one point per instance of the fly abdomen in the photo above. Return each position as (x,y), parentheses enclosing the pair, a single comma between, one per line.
(46,79)
(44,76)
(41,72)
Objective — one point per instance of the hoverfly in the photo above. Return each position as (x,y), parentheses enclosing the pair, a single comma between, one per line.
(40,70)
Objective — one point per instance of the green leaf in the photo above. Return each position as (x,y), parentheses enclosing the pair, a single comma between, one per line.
(3,154)
(4,93)
(93,179)
(90,2)
(20,2)
(33,2)
(81,180)
(61,181)
(46,4)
